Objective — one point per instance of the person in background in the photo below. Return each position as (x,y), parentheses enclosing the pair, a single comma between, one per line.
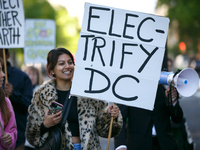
(180,130)
(35,76)
(170,65)
(19,90)
(36,80)
(195,63)
(151,130)
(88,118)
(7,119)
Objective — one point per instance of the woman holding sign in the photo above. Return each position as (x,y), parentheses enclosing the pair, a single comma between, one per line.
(8,130)
(87,119)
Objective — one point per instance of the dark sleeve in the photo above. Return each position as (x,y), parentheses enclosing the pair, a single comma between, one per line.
(43,129)
(23,93)
(176,113)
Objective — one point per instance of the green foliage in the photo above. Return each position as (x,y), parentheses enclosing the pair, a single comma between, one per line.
(38,9)
(186,14)
(67,27)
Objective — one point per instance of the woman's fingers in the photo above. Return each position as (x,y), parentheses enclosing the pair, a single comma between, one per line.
(7,139)
(114,111)
(173,96)
(52,120)
(57,117)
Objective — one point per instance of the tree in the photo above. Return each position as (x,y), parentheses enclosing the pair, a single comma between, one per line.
(186,15)
(67,27)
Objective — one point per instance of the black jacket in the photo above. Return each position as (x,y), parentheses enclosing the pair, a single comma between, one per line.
(141,122)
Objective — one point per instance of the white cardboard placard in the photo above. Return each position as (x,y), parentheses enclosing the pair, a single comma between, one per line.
(11,24)
(119,56)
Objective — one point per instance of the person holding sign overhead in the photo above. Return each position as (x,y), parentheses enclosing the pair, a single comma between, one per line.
(87,119)
(8,130)
(151,130)
(19,90)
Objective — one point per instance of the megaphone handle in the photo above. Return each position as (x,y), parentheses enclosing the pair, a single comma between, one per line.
(170,103)
(169,98)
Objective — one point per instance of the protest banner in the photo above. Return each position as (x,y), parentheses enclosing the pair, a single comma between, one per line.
(40,37)
(119,56)
(11,24)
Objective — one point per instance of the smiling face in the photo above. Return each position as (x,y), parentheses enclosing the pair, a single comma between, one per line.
(2,75)
(64,68)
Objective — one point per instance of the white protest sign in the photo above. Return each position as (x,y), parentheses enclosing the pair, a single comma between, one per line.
(119,56)
(11,24)
(40,37)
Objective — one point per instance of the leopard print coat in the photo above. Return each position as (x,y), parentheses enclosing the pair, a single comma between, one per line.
(93,118)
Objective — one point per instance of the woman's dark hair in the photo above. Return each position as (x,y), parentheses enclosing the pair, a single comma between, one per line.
(5,113)
(52,58)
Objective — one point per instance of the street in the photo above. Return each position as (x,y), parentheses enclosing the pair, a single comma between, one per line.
(191,110)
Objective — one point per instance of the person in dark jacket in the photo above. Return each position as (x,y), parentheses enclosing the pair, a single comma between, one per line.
(150,130)
(19,90)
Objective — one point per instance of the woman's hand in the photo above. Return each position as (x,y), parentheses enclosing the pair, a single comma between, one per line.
(8,88)
(113,111)
(174,94)
(7,139)
(52,120)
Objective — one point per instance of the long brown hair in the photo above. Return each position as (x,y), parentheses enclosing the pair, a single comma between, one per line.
(5,113)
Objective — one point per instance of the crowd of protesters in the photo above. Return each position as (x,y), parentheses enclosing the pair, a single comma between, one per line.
(25,102)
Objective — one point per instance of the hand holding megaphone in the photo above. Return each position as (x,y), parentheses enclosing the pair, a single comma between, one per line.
(186,81)
(172,96)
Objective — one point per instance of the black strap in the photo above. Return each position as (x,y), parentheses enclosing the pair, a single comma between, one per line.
(179,70)
(67,105)
(169,102)
(170,89)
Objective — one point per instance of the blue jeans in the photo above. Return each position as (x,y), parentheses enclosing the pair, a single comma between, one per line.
(77,146)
